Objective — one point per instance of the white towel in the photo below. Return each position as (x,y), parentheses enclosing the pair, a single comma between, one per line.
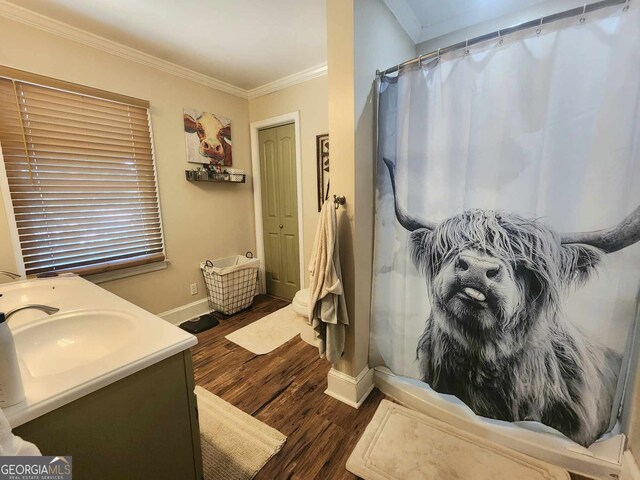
(12,445)
(327,308)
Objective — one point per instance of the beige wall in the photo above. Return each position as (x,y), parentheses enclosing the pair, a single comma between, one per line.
(310,99)
(340,61)
(378,42)
(200,220)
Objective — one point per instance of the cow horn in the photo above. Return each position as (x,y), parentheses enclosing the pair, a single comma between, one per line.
(404,219)
(610,240)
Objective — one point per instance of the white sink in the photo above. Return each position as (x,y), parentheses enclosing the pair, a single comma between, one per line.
(67,341)
(94,340)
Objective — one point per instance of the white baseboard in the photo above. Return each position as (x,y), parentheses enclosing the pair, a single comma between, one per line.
(630,470)
(350,390)
(186,312)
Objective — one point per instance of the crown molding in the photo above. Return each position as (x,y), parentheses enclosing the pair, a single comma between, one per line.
(33,19)
(288,81)
(36,20)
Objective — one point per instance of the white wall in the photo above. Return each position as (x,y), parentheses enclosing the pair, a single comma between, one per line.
(379,41)
(630,417)
(524,15)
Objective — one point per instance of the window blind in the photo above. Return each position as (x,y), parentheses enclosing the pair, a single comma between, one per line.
(82,179)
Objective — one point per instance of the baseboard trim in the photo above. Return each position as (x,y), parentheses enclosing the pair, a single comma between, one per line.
(350,390)
(630,470)
(186,312)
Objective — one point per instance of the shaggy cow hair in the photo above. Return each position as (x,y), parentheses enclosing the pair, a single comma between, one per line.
(496,337)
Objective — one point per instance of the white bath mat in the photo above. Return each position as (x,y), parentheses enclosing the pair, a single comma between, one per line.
(268,333)
(235,446)
(402,444)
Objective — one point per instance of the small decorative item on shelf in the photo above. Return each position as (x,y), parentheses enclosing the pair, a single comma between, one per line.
(217,173)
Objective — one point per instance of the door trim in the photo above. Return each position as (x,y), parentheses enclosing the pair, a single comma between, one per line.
(293,117)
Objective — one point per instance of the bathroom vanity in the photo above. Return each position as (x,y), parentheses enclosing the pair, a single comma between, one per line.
(105,381)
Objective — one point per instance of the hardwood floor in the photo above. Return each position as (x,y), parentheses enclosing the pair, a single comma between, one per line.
(285,390)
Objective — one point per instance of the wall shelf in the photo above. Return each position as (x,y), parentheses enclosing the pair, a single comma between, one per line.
(204,176)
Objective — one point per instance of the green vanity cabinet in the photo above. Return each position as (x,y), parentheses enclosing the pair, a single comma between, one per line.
(144,426)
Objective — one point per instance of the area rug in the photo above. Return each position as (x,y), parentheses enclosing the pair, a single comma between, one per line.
(268,333)
(402,444)
(235,446)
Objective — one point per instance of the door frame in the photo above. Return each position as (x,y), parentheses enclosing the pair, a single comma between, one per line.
(293,117)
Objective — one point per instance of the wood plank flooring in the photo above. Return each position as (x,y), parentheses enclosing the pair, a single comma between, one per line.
(285,390)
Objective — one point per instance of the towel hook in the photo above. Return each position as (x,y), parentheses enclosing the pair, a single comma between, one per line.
(339,200)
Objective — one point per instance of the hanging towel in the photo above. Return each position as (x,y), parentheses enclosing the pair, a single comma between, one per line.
(12,445)
(327,308)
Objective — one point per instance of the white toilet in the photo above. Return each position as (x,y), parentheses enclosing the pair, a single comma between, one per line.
(300,304)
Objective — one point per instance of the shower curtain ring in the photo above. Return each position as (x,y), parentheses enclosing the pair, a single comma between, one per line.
(438,58)
(539,30)
(420,62)
(626,6)
(584,10)
(500,40)
(466,47)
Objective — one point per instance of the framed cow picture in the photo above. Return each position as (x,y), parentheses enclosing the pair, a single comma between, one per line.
(207,137)
(322,158)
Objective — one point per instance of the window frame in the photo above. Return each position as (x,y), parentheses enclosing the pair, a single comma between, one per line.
(111,271)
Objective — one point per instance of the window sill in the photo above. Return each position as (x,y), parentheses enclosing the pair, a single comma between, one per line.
(99,278)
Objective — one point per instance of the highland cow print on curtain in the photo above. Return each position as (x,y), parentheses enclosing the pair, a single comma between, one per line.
(506,256)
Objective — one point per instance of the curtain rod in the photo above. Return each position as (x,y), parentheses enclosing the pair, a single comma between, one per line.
(506,31)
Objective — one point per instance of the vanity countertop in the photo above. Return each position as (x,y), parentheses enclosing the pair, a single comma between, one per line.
(96,339)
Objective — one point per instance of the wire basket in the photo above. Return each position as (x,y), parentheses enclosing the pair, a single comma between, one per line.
(231,283)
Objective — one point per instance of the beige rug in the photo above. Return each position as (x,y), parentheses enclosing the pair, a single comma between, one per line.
(235,446)
(403,444)
(268,333)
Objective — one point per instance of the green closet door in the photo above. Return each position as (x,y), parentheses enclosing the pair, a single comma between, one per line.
(280,210)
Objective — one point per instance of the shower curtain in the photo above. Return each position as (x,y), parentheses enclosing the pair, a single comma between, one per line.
(485,285)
